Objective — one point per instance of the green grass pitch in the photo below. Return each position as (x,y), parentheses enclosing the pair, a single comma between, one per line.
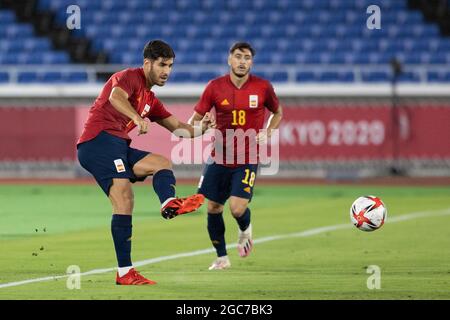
(46,228)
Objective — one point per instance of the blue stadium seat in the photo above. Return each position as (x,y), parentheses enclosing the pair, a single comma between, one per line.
(332,76)
(16,31)
(440,57)
(443,45)
(312,58)
(375,76)
(56,57)
(27,77)
(276,76)
(409,77)
(287,32)
(74,77)
(265,57)
(4,77)
(51,77)
(7,17)
(437,76)
(181,77)
(338,58)
(413,58)
(205,76)
(306,77)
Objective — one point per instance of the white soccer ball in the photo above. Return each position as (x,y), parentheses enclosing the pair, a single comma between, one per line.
(368,213)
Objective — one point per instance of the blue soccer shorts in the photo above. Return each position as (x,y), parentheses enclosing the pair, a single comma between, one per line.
(107,157)
(219,182)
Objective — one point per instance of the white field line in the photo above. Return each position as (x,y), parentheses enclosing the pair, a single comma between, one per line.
(306,233)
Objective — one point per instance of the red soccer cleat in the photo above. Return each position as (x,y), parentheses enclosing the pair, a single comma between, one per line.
(133,278)
(179,206)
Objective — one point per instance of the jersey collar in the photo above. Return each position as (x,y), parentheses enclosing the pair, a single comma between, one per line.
(243,86)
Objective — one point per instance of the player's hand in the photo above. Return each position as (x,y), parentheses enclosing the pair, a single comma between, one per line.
(208,122)
(262,137)
(141,124)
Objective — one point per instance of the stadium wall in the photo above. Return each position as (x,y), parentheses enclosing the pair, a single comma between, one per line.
(337,137)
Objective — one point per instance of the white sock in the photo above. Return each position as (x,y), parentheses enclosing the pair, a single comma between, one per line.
(123,271)
(166,202)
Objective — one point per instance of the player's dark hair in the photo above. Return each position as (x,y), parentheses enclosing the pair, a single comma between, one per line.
(157,48)
(242,45)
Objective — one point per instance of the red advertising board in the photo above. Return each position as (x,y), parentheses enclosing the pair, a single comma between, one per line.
(37,133)
(307,132)
(365,132)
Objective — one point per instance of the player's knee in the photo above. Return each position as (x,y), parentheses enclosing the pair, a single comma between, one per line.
(237,210)
(122,198)
(163,163)
(214,207)
(124,203)
(151,165)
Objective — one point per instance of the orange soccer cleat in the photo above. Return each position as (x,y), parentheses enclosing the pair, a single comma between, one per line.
(133,278)
(179,206)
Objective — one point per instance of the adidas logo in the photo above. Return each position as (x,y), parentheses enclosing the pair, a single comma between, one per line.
(225,103)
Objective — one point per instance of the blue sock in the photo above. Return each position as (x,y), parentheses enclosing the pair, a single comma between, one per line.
(121,233)
(244,220)
(164,184)
(216,230)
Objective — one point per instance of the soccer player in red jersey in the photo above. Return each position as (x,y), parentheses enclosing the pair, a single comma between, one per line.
(104,148)
(240,101)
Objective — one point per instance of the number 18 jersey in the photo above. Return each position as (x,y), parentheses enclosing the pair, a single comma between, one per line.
(238,108)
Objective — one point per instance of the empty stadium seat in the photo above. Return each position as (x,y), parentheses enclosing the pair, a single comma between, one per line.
(287,32)
(4,77)
(306,76)
(438,76)
(52,77)
(376,76)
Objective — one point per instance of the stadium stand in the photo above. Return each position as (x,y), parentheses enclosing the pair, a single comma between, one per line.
(19,44)
(291,34)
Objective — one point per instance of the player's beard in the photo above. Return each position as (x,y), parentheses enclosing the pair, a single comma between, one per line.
(240,74)
(155,78)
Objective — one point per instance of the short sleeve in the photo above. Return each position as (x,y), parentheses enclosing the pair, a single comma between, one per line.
(271,102)
(126,80)
(158,111)
(206,101)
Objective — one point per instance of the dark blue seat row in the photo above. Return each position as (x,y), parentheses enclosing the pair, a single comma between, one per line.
(214,31)
(203,77)
(286,32)
(52,77)
(257,18)
(31,44)
(195,5)
(295,58)
(49,57)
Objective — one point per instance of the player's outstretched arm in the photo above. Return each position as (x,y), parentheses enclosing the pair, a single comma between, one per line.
(119,100)
(186,130)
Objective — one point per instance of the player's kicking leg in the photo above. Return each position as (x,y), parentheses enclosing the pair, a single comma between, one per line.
(241,212)
(121,196)
(107,158)
(164,185)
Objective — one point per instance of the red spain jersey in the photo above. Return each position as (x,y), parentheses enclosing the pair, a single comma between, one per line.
(104,117)
(238,108)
